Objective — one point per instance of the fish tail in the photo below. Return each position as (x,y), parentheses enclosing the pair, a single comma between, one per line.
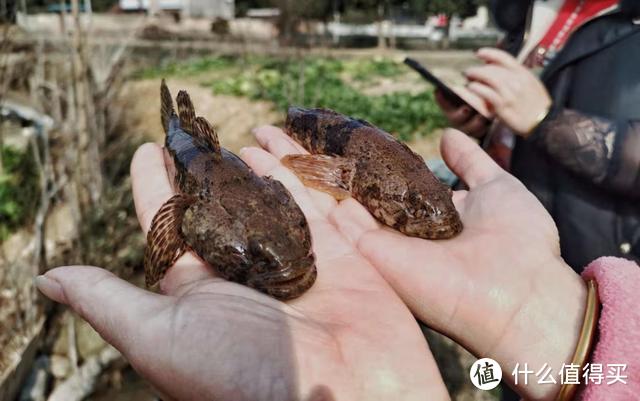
(320,131)
(302,126)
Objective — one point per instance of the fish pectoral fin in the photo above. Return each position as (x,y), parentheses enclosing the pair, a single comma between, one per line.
(330,174)
(186,112)
(165,243)
(206,133)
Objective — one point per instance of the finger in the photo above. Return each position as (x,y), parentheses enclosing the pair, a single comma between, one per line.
(476,126)
(442,101)
(417,270)
(493,76)
(100,298)
(461,115)
(262,165)
(328,244)
(188,270)
(276,142)
(151,186)
(151,189)
(279,144)
(352,220)
(497,56)
(467,160)
(265,164)
(458,198)
(488,94)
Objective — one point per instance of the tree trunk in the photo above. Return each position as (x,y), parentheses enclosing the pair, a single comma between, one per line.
(382,43)
(88,171)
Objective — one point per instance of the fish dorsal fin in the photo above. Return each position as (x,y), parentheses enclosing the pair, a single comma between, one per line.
(186,111)
(166,106)
(204,131)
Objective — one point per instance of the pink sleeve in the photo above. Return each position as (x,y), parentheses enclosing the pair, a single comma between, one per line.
(619,328)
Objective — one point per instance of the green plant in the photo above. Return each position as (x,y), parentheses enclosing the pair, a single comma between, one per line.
(365,70)
(187,68)
(319,82)
(19,192)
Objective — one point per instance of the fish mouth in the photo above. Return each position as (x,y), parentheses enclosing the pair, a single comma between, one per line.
(287,283)
(293,288)
(434,229)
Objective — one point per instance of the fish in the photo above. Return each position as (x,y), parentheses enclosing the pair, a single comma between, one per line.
(248,228)
(350,157)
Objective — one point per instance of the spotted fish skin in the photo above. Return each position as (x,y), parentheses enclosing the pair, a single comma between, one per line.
(379,171)
(248,228)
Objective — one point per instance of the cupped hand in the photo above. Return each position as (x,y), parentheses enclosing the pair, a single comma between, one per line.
(500,288)
(350,337)
(511,90)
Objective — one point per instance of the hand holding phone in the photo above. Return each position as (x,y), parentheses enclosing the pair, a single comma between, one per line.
(456,96)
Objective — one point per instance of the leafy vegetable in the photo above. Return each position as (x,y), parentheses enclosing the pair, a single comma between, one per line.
(320,82)
(18,189)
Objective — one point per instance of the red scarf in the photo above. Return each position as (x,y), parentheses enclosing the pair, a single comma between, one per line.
(590,9)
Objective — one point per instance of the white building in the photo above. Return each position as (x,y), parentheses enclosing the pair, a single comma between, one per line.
(188,8)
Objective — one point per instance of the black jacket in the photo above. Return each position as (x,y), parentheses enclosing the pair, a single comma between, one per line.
(583,162)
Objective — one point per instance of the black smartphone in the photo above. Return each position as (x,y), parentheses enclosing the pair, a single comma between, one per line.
(446,91)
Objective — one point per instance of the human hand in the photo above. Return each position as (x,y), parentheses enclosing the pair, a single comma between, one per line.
(463,117)
(350,337)
(510,90)
(500,288)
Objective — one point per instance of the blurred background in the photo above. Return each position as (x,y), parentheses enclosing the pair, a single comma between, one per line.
(79,83)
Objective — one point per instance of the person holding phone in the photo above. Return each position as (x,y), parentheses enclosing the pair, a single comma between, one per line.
(566,90)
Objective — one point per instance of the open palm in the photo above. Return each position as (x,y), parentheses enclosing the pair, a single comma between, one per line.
(350,337)
(500,288)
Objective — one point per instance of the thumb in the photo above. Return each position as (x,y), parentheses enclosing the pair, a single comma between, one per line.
(419,271)
(113,307)
(467,160)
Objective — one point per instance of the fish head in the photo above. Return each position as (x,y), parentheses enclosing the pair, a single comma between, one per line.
(429,213)
(272,255)
(279,268)
(415,208)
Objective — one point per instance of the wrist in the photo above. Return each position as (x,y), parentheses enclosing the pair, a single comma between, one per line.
(546,332)
(538,119)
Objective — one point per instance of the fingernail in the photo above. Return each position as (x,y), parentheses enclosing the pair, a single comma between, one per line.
(50,288)
(242,150)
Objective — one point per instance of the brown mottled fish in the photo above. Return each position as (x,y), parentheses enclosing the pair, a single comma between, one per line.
(351,157)
(248,228)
